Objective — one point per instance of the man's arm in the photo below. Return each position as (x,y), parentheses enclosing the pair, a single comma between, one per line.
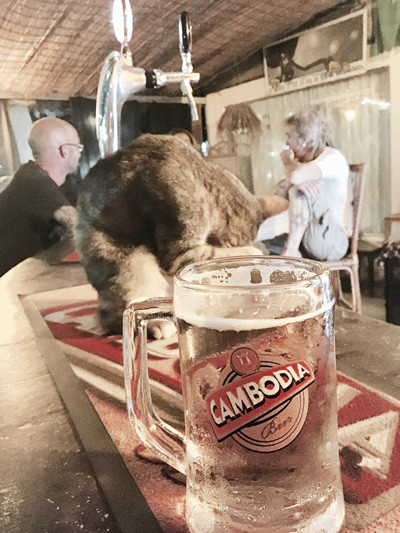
(67,216)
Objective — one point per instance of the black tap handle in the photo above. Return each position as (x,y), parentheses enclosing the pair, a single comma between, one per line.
(151,79)
(185,33)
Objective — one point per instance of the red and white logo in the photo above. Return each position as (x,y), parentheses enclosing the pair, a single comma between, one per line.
(262,405)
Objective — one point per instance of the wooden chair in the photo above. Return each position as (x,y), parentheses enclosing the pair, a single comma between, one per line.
(350,263)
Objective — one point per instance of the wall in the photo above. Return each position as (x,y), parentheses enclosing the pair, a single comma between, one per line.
(256,90)
(216,102)
(21,122)
(395,132)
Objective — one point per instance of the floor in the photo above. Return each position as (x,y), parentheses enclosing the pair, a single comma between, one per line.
(373,307)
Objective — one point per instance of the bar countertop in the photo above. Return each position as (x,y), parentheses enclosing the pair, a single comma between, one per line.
(53,479)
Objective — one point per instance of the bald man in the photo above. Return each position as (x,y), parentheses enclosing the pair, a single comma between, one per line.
(34,213)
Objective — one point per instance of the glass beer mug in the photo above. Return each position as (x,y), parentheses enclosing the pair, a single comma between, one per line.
(257,359)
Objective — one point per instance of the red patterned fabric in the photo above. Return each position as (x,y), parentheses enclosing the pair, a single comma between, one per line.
(369,429)
(72,258)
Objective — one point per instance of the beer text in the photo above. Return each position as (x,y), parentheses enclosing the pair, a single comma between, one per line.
(247,398)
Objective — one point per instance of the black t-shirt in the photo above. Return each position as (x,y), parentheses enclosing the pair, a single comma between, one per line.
(27,206)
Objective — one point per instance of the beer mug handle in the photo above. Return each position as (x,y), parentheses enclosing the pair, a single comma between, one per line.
(160,437)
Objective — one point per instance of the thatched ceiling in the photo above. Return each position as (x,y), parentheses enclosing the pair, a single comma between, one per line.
(51,49)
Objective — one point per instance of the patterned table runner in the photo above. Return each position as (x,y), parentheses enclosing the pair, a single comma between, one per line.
(369,430)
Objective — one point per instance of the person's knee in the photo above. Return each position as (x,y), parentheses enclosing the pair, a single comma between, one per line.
(299,202)
(329,247)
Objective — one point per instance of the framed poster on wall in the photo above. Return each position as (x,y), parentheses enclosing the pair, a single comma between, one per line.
(334,50)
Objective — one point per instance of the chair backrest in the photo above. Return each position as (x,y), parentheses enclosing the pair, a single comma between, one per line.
(358,173)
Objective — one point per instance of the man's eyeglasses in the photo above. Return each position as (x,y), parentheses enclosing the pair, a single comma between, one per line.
(79,146)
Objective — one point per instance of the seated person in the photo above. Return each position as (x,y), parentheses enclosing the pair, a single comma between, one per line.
(34,213)
(316,184)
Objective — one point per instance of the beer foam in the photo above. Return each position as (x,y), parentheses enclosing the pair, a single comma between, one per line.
(220,323)
(245,276)
(263,293)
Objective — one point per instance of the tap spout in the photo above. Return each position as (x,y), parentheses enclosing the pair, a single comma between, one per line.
(185,49)
(158,78)
(187,91)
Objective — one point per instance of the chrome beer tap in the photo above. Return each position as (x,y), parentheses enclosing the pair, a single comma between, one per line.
(185,48)
(119,80)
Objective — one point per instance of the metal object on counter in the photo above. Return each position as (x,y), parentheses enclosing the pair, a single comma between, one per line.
(119,80)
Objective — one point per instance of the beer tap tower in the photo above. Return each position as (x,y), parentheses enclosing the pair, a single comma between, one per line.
(119,79)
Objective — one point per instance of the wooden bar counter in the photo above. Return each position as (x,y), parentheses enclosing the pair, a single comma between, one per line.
(60,470)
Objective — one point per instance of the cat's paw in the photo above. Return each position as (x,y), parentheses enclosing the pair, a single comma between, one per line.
(243,250)
(161,329)
(249,250)
(237,250)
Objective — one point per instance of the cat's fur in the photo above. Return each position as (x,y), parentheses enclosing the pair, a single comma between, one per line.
(153,207)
